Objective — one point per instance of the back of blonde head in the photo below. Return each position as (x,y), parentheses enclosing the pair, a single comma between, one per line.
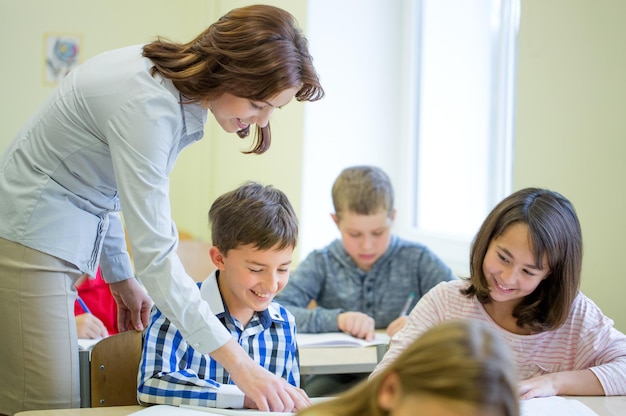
(461,361)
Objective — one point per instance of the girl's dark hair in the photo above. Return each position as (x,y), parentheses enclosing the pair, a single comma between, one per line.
(555,232)
(252,52)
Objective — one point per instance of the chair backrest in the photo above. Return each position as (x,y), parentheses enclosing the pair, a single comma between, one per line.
(114,368)
(194,255)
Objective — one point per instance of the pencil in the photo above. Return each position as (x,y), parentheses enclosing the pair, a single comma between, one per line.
(407,304)
(83,305)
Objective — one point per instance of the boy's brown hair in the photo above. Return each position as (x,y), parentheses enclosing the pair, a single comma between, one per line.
(253,214)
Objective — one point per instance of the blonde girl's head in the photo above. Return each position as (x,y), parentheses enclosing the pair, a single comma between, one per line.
(459,367)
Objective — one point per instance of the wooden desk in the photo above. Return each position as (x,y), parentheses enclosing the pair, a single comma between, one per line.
(95,411)
(603,406)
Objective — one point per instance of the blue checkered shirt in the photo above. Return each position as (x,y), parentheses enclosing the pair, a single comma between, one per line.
(172,372)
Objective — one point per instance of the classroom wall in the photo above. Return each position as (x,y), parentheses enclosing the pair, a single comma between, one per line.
(571,129)
(569,118)
(101,25)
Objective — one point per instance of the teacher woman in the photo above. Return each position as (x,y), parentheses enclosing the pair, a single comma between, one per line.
(105,142)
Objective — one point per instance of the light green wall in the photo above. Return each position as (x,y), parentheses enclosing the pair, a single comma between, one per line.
(101,25)
(571,133)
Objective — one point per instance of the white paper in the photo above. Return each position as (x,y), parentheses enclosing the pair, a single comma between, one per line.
(338,339)
(188,410)
(86,343)
(166,410)
(554,406)
(234,412)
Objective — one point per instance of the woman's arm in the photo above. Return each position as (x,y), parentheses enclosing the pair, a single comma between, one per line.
(268,391)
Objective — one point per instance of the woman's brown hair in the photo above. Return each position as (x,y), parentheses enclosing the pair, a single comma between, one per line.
(252,52)
(555,232)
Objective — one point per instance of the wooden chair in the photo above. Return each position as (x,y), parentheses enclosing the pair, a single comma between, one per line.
(194,255)
(114,367)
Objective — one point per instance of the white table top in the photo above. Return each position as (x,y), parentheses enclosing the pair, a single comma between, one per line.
(603,406)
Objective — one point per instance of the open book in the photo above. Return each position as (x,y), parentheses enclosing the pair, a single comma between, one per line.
(190,410)
(554,405)
(338,339)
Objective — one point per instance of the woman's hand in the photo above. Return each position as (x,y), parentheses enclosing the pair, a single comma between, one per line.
(280,394)
(263,390)
(133,304)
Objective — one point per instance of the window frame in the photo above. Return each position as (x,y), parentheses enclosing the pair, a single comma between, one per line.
(454,249)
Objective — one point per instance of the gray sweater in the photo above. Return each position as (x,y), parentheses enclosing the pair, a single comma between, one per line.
(331,278)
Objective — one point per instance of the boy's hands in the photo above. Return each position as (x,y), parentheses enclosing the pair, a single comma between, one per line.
(357,324)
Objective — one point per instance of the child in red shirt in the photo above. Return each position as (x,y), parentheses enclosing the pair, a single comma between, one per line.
(101,318)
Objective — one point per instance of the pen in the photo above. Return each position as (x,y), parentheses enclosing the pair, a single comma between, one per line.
(83,305)
(407,305)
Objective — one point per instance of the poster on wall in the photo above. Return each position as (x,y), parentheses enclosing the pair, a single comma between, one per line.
(61,56)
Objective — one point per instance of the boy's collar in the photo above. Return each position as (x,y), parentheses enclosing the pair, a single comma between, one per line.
(210,292)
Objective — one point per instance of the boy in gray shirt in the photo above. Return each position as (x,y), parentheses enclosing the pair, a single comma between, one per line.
(362,281)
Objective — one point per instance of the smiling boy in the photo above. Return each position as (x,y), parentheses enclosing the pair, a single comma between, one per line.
(254,232)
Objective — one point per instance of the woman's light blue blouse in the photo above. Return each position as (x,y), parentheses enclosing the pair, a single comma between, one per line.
(105,141)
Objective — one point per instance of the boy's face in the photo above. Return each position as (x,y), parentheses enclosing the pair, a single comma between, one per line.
(365,237)
(250,278)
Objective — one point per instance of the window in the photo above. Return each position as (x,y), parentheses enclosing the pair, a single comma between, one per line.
(462,142)
(423,89)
